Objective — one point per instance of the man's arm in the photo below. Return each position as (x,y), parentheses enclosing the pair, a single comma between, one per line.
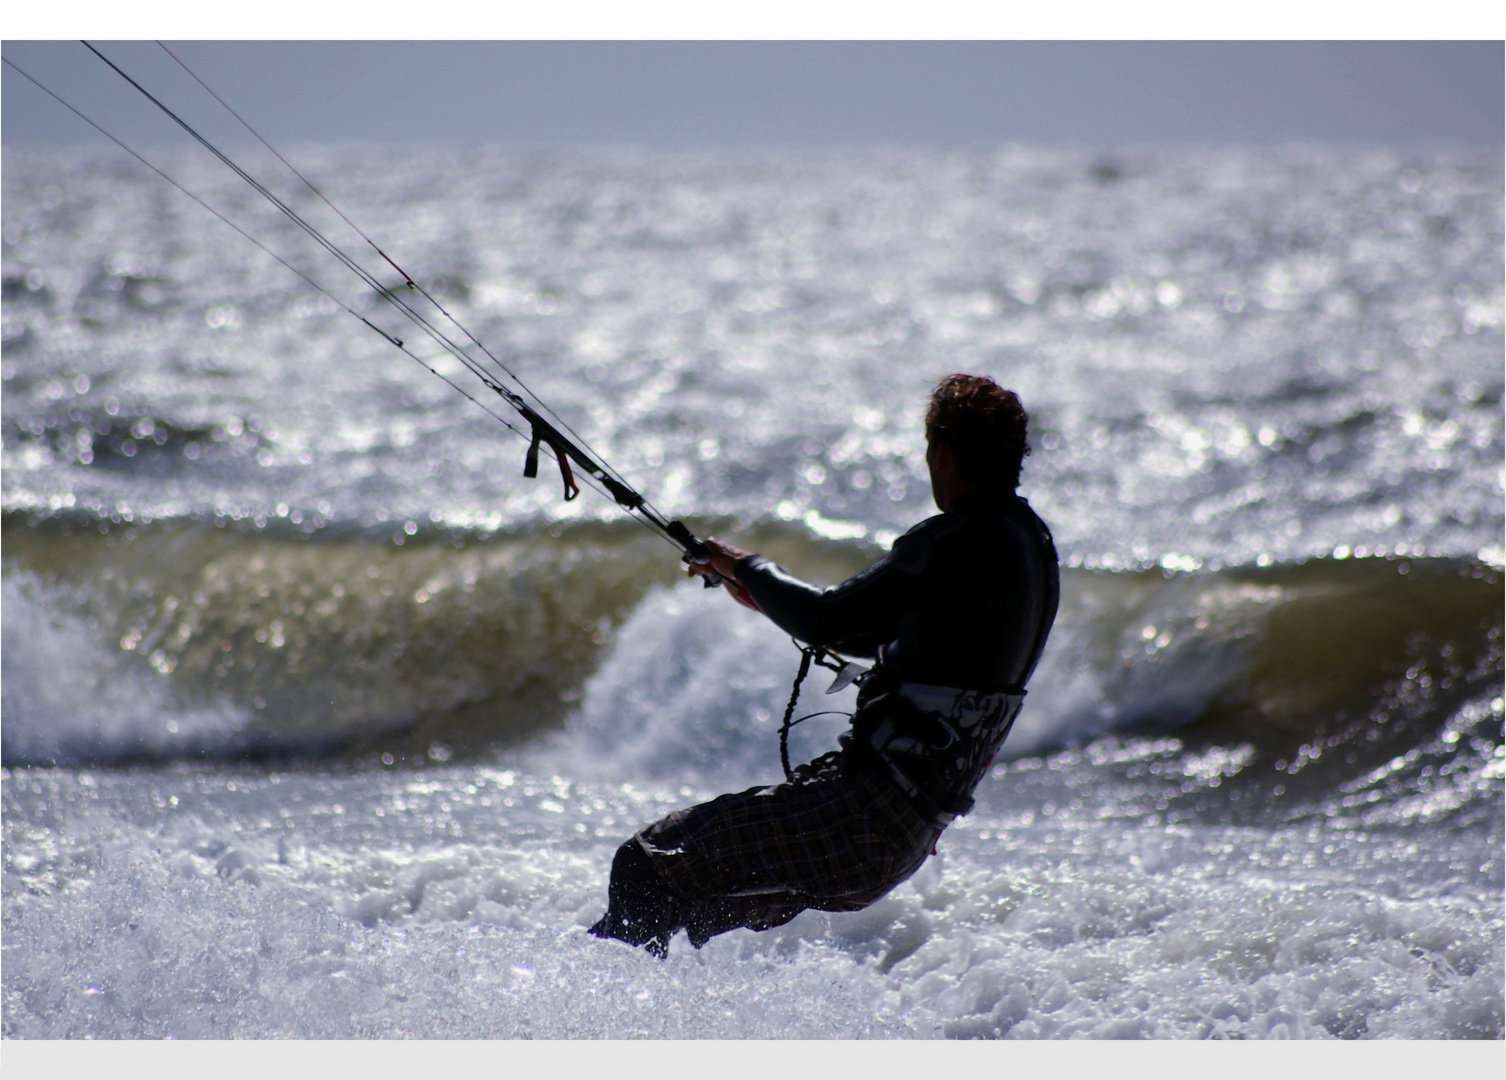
(858,614)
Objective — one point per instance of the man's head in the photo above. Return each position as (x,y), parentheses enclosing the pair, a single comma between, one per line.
(984,425)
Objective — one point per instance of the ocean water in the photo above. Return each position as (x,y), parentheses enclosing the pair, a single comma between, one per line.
(320,720)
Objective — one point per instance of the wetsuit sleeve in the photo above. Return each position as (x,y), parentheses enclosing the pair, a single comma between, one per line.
(854,617)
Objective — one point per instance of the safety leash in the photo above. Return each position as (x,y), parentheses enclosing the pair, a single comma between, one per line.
(846,674)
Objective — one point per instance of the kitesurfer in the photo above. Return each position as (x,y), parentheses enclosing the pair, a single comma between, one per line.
(954,618)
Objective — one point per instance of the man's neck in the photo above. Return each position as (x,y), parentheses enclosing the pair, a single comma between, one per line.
(975,495)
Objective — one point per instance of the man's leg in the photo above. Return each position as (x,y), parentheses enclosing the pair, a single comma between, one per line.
(834,839)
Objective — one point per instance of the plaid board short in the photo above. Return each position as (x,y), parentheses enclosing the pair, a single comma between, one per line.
(836,838)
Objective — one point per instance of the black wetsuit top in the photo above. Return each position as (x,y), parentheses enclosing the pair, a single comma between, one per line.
(964,599)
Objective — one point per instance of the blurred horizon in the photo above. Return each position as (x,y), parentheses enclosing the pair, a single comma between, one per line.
(738,94)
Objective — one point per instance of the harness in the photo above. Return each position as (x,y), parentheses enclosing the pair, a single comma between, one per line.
(935,742)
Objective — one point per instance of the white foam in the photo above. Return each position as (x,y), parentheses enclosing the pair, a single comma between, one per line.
(67,698)
(694,691)
(257,907)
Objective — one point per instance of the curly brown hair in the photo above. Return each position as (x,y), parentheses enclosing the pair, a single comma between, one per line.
(984,424)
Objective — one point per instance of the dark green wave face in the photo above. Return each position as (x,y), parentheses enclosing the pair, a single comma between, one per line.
(330,645)
(1323,671)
